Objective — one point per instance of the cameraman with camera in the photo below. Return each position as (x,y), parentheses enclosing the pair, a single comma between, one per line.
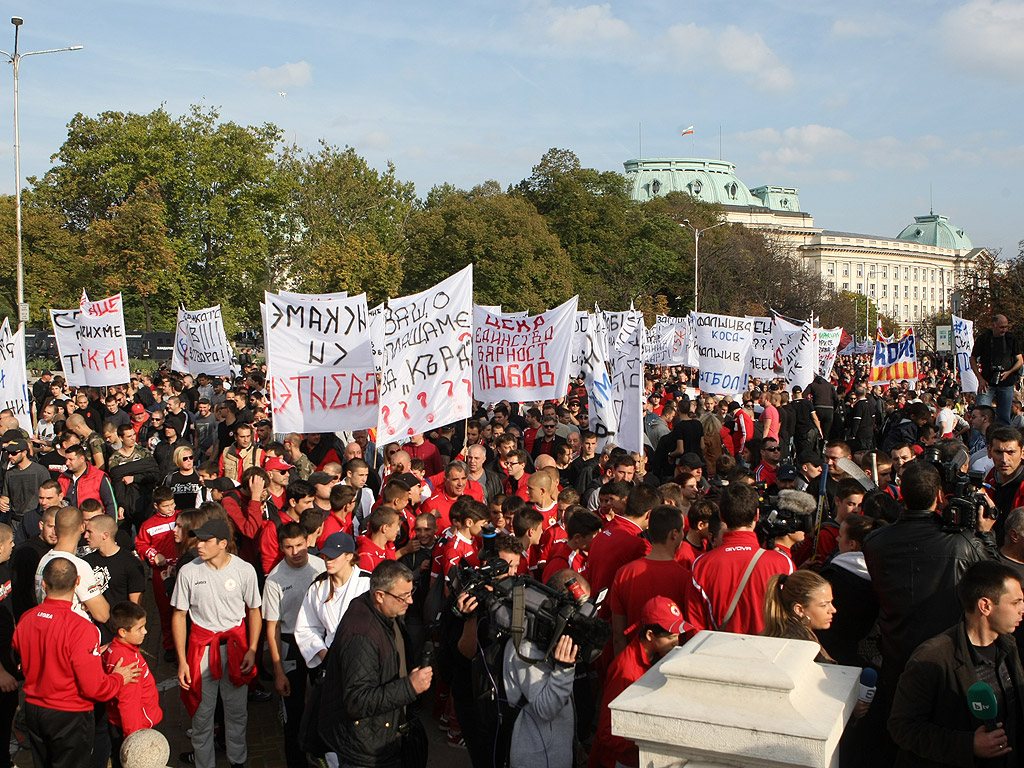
(915,565)
(996,360)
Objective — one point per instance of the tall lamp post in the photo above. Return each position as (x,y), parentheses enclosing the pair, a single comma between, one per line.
(15,60)
(696,253)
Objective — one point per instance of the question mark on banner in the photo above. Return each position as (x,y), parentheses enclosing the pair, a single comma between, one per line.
(405,409)
(385,412)
(422,397)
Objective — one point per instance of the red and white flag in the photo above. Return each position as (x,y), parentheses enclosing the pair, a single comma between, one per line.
(687,131)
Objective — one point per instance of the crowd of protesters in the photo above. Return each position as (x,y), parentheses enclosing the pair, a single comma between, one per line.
(883,523)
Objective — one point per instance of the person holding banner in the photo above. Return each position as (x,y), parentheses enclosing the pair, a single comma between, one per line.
(997,361)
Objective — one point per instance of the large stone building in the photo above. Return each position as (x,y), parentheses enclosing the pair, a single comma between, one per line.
(908,277)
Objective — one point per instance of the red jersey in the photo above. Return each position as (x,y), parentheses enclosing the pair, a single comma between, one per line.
(270,549)
(369,555)
(455,549)
(609,750)
(637,582)
(716,576)
(766,474)
(618,544)
(687,553)
(828,540)
(334,525)
(440,506)
(428,452)
(137,705)
(550,514)
(561,558)
(548,540)
(60,656)
(437,560)
(156,537)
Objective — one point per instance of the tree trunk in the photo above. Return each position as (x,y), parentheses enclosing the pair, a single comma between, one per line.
(149,320)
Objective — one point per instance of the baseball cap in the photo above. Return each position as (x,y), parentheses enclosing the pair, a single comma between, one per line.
(321,478)
(653,396)
(692,460)
(337,544)
(214,528)
(16,445)
(808,457)
(276,462)
(138,408)
(223,484)
(785,473)
(664,612)
(406,477)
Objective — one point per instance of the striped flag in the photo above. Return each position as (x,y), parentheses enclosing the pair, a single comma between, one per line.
(688,131)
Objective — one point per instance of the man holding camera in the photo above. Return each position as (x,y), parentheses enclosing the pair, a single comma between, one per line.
(997,360)
(915,566)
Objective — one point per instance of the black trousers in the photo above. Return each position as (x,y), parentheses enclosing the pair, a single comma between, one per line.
(8,706)
(294,705)
(59,739)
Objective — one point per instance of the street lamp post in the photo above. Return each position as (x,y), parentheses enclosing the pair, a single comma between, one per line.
(15,60)
(696,253)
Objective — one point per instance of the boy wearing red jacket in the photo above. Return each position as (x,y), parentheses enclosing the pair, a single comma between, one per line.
(137,705)
(155,544)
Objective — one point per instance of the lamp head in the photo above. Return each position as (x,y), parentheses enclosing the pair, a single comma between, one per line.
(17,21)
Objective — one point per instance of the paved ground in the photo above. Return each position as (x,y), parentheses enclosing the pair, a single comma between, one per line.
(266,745)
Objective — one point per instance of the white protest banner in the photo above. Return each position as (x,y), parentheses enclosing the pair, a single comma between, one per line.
(800,356)
(65,331)
(626,369)
(91,342)
(761,361)
(723,347)
(828,348)
(320,375)
(313,296)
(604,419)
(782,331)
(200,344)
(377,335)
(426,374)
(14,392)
(579,345)
(524,358)
(677,337)
(963,345)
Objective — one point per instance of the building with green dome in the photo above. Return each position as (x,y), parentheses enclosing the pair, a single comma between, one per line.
(909,276)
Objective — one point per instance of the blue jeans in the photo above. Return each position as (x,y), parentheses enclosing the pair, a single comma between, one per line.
(1003,402)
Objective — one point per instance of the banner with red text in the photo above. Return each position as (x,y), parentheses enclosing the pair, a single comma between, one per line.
(91,342)
(427,368)
(894,361)
(320,375)
(14,392)
(522,358)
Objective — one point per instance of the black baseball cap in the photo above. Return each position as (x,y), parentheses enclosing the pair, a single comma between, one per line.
(223,484)
(337,543)
(692,460)
(808,457)
(214,528)
(321,478)
(785,473)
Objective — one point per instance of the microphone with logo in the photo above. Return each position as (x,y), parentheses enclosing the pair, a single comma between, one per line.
(982,701)
(868,685)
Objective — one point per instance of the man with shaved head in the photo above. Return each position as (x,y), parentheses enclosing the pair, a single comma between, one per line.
(997,361)
(293,455)
(93,442)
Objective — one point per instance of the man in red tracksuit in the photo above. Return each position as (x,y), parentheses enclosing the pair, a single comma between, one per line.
(718,574)
(620,542)
(64,676)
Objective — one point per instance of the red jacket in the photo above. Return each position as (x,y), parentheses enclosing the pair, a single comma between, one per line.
(612,548)
(198,641)
(137,705)
(60,656)
(93,484)
(716,576)
(248,521)
(563,557)
(156,537)
(609,750)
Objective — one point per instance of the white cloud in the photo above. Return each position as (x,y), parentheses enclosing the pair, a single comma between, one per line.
(288,75)
(587,25)
(985,37)
(732,49)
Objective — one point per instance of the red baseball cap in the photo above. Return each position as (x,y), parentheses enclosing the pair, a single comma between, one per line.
(276,462)
(138,408)
(664,612)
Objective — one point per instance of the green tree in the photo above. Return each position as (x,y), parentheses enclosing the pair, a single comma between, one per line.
(517,262)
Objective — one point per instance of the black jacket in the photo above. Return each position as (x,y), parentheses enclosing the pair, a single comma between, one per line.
(364,697)
(915,565)
(931,721)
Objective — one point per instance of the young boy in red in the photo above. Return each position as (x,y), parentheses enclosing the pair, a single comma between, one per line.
(471,516)
(137,704)
(580,529)
(155,544)
(378,544)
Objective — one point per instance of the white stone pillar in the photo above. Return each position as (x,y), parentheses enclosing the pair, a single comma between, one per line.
(740,701)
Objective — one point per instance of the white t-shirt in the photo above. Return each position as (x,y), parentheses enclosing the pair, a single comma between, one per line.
(284,589)
(88,585)
(319,617)
(216,599)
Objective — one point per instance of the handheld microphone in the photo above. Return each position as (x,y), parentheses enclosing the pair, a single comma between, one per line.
(868,685)
(982,701)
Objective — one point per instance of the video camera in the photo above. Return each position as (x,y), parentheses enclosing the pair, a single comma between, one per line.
(964,499)
(525,609)
(782,515)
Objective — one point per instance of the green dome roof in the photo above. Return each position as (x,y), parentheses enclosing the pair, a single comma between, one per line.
(937,231)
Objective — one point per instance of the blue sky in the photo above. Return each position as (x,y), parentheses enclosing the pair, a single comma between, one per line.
(862,106)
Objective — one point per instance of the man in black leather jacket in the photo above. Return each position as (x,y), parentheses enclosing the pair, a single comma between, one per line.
(915,566)
(367,686)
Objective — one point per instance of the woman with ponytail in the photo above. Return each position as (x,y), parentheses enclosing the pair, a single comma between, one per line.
(796,606)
